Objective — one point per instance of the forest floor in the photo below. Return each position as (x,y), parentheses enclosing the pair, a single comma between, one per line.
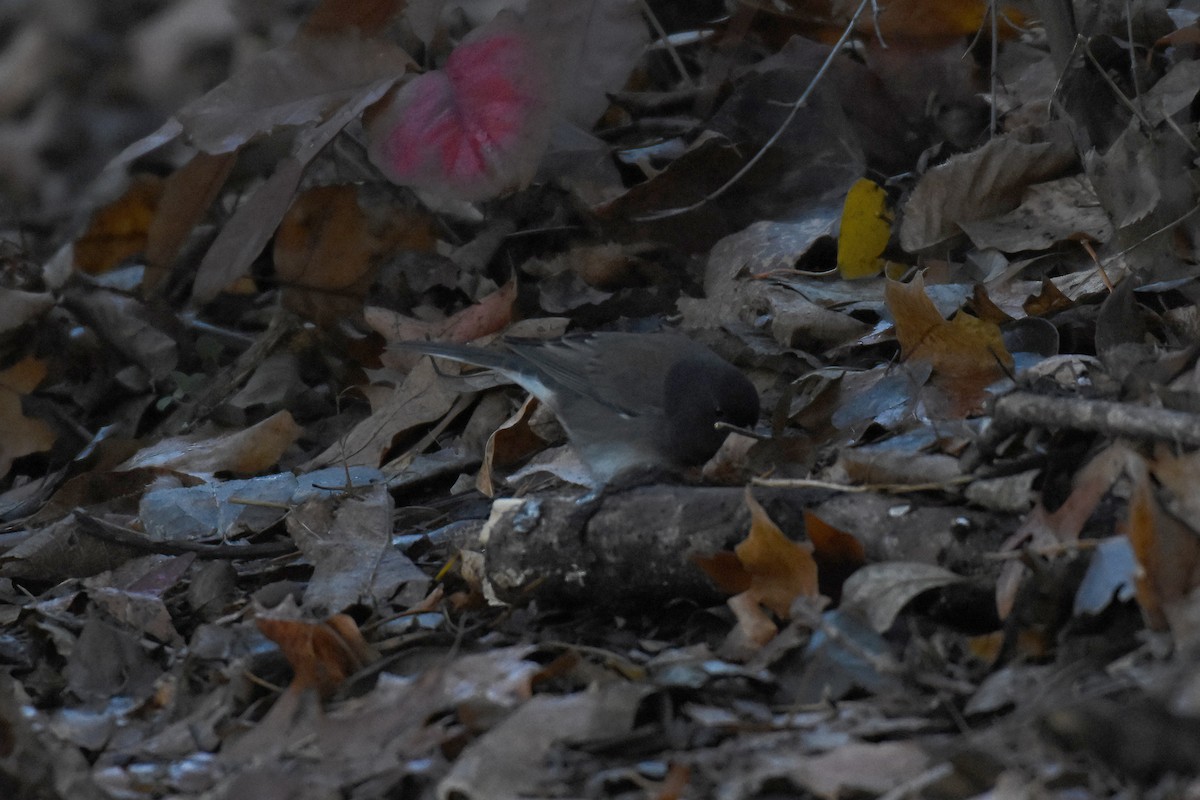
(249,547)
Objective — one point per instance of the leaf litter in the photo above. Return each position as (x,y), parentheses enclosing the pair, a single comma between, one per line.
(252,548)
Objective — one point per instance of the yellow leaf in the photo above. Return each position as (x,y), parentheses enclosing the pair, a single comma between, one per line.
(866,228)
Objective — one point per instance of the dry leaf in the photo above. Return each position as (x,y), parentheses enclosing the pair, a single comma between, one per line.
(880,591)
(966,353)
(780,570)
(303,82)
(22,435)
(119,230)
(491,314)
(513,441)
(837,553)
(1049,301)
(327,251)
(725,570)
(367,17)
(187,195)
(754,627)
(244,452)
(977,185)
(1167,551)
(1043,529)
(322,654)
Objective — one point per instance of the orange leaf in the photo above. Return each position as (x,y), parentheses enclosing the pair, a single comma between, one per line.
(831,543)
(22,435)
(119,230)
(327,250)
(964,346)
(365,16)
(1047,302)
(1167,552)
(24,376)
(186,196)
(725,571)
(780,570)
(837,553)
(938,20)
(985,308)
(967,354)
(322,654)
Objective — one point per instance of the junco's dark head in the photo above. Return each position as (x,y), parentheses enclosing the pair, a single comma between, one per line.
(627,400)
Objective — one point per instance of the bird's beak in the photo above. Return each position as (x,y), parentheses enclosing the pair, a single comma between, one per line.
(725,426)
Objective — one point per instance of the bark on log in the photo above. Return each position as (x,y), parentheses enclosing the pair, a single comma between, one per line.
(638,546)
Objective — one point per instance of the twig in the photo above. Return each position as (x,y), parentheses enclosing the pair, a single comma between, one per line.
(1049,551)
(117,534)
(1116,90)
(666,40)
(397,465)
(796,105)
(1153,233)
(282,326)
(890,488)
(1102,416)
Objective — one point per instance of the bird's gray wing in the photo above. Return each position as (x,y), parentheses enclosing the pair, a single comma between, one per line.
(621,371)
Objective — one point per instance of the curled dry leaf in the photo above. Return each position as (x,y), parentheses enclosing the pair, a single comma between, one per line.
(322,654)
(489,315)
(880,591)
(244,452)
(511,442)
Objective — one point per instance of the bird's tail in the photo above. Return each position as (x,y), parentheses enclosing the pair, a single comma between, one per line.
(463,353)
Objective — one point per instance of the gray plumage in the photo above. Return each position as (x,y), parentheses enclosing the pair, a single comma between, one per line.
(627,400)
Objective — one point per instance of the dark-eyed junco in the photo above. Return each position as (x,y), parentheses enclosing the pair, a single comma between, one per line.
(628,401)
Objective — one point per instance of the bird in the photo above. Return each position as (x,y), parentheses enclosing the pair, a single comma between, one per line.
(629,402)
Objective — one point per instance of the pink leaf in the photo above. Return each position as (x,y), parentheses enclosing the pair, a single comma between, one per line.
(477,127)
